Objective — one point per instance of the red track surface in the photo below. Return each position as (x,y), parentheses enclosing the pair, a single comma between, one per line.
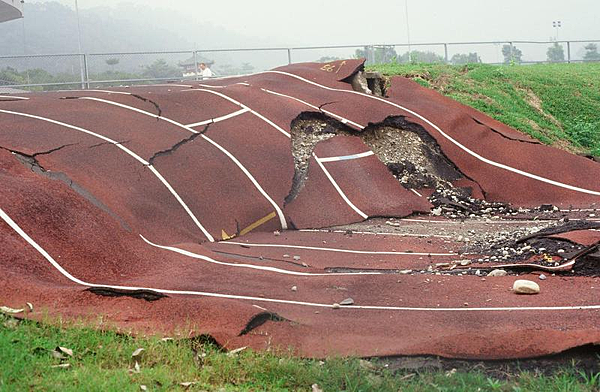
(234,177)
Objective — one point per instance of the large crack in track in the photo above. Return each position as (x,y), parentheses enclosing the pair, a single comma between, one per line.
(410,153)
(176,146)
(31,162)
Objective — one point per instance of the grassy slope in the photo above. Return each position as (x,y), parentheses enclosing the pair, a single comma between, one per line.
(102,361)
(558,104)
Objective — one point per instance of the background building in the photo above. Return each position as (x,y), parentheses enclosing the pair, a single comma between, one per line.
(10,9)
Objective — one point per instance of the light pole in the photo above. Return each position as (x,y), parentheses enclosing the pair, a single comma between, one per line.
(81,66)
(556,24)
(23,27)
(25,40)
(407,27)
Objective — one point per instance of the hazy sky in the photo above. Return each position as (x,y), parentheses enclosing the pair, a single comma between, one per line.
(319,22)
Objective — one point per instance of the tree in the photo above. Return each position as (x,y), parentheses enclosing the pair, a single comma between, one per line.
(226,69)
(247,68)
(512,55)
(591,53)
(417,56)
(112,62)
(160,69)
(461,58)
(555,53)
(329,59)
(377,54)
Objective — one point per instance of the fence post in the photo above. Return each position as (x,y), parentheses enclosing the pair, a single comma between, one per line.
(569,52)
(82,70)
(446,52)
(289,51)
(195,53)
(85,73)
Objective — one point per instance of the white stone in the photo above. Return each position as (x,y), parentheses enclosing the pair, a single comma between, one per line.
(523,286)
(347,301)
(498,272)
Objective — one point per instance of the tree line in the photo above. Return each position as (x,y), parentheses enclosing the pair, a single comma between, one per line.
(511,54)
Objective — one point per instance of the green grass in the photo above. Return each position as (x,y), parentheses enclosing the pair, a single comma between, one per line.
(555,103)
(102,361)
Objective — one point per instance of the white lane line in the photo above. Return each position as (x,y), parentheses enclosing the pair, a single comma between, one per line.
(252,266)
(14,97)
(375,233)
(287,134)
(215,144)
(217,119)
(271,123)
(227,85)
(164,85)
(181,202)
(342,119)
(467,150)
(415,192)
(581,210)
(209,86)
(339,190)
(132,154)
(97,91)
(347,157)
(495,221)
(324,249)
(49,258)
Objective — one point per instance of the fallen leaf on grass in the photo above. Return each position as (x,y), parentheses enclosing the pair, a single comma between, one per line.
(236,351)
(7,310)
(60,352)
(316,388)
(188,384)
(410,375)
(30,306)
(136,368)
(366,364)
(137,353)
(11,323)
(143,387)
(62,366)
(65,350)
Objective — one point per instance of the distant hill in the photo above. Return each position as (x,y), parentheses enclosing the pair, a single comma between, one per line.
(51,28)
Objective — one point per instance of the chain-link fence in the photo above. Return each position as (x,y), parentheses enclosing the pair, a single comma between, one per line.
(93,70)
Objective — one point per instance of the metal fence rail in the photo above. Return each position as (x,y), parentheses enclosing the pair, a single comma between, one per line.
(86,70)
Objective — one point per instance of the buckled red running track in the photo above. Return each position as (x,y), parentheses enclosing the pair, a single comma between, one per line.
(132,188)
